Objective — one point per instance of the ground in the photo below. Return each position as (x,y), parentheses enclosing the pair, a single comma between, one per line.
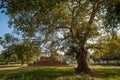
(16,72)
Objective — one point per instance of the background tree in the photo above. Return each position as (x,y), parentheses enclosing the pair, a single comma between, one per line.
(6,42)
(108,52)
(64,22)
(19,50)
(26,51)
(113,53)
(57,56)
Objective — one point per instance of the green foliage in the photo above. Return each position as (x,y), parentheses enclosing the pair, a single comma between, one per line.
(68,17)
(111,51)
(114,49)
(53,15)
(57,56)
(7,40)
(112,14)
(26,51)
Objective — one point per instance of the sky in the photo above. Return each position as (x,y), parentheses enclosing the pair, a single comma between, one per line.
(4,26)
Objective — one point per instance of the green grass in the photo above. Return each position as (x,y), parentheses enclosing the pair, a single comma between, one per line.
(58,73)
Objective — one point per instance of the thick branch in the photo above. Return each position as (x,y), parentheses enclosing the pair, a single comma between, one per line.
(93,47)
(72,23)
(88,27)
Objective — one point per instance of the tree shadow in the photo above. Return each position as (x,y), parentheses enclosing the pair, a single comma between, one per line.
(107,73)
(57,73)
(38,74)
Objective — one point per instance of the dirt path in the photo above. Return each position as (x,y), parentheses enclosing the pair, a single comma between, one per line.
(10,68)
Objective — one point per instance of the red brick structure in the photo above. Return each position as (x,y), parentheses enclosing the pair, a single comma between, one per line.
(48,61)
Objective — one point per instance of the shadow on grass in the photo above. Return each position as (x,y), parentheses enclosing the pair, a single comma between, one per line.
(108,74)
(38,74)
(57,73)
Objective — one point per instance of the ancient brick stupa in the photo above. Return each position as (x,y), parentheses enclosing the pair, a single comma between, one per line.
(48,61)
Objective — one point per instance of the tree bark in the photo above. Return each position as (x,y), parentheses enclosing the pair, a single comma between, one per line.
(22,62)
(82,55)
(82,62)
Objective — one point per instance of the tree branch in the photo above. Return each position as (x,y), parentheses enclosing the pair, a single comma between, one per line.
(93,47)
(88,27)
(72,23)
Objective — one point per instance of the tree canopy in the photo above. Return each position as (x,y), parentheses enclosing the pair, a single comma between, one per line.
(64,23)
(14,50)
(109,52)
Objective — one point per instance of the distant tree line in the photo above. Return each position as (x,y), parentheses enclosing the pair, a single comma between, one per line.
(109,54)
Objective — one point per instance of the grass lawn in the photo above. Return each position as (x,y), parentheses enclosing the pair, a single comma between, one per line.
(56,73)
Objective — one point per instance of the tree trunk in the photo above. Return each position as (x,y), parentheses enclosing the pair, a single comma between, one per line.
(82,62)
(22,62)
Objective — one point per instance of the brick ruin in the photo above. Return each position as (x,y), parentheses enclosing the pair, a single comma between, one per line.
(48,61)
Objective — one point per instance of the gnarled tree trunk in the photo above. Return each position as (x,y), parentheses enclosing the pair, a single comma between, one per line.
(82,62)
(82,55)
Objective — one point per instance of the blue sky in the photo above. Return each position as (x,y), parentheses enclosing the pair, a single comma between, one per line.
(4,25)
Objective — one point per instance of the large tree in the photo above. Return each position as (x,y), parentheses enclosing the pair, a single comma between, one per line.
(64,23)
